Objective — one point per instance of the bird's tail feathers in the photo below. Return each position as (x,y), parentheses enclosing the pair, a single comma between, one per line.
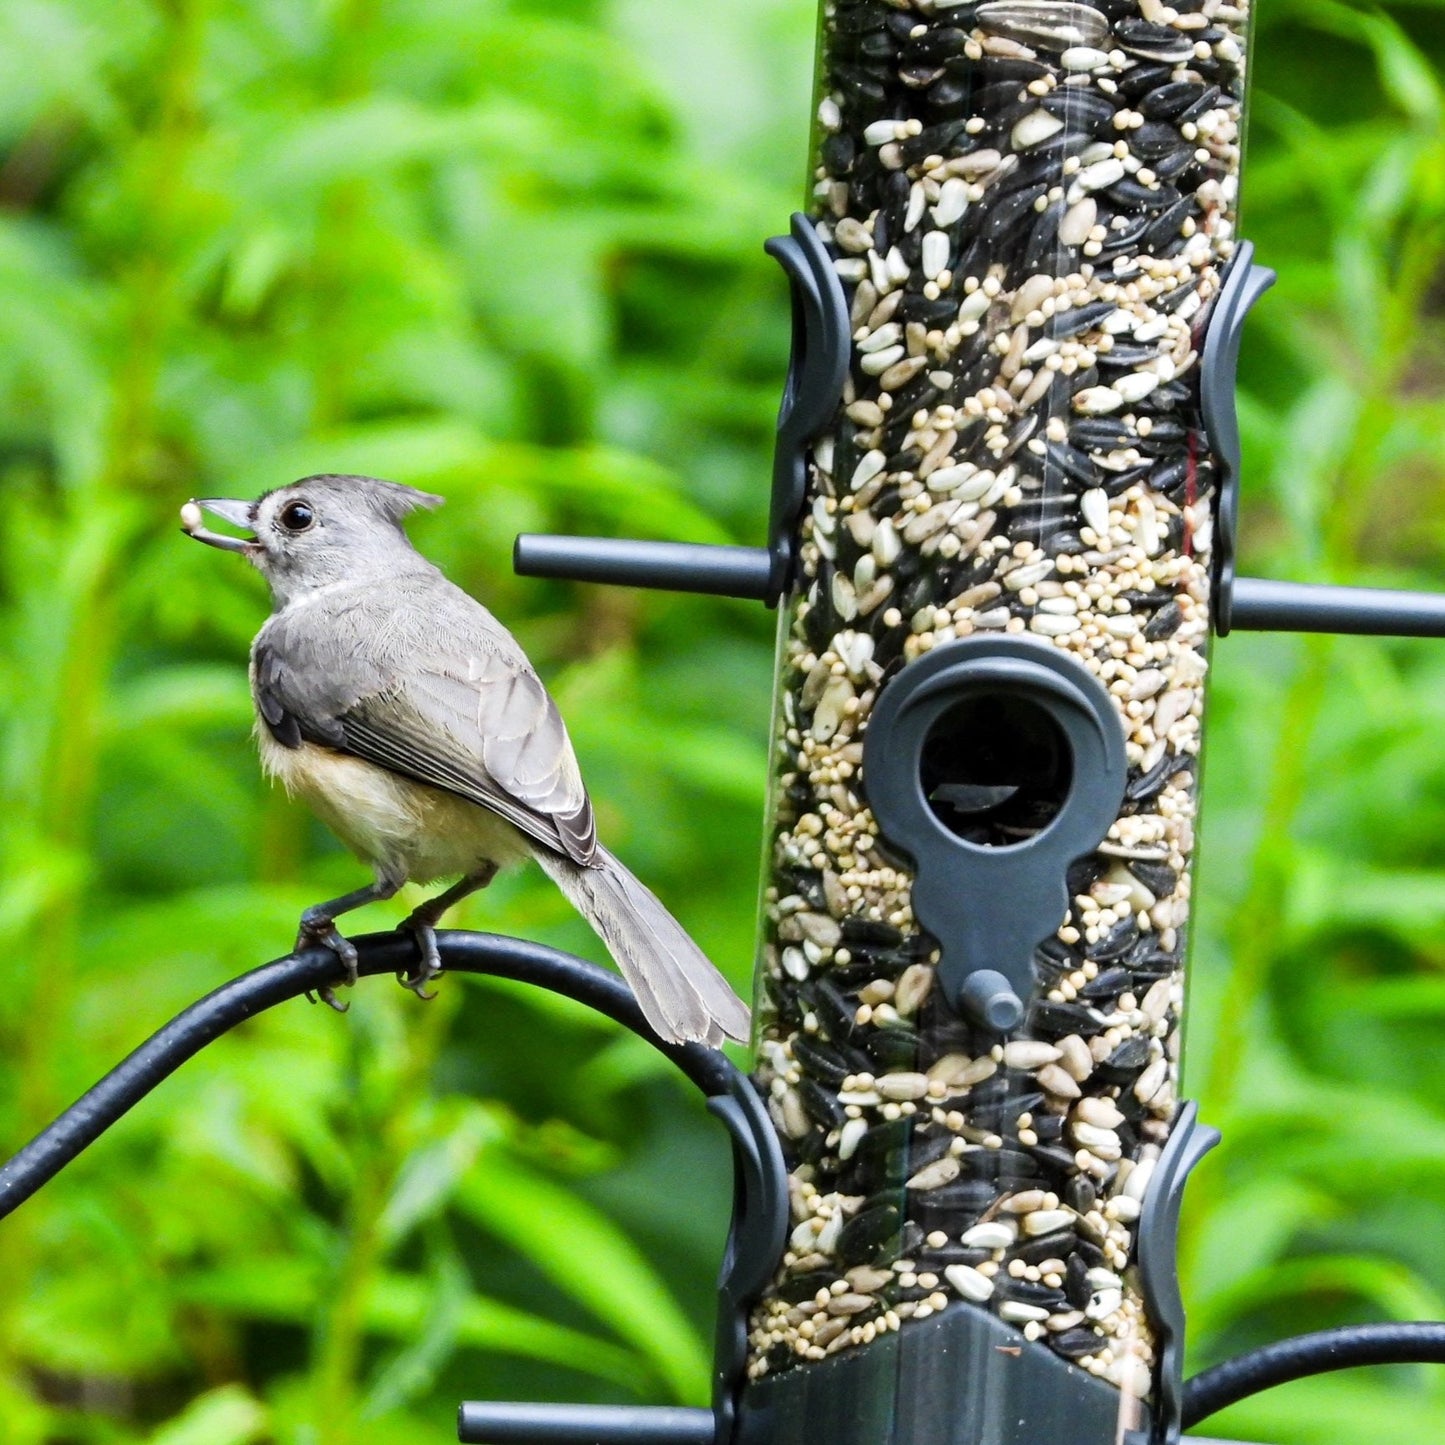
(680,993)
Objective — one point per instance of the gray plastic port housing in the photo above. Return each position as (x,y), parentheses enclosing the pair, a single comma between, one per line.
(988,906)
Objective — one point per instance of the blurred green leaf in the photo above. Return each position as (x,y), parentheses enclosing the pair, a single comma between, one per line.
(228,1416)
(413,1370)
(427,1180)
(591,1260)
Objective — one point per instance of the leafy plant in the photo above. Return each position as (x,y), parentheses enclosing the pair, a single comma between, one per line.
(510,251)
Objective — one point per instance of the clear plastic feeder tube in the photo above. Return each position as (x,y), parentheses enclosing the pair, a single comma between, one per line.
(1030,203)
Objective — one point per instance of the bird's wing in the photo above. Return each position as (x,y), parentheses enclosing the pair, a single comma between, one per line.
(444,696)
(492,735)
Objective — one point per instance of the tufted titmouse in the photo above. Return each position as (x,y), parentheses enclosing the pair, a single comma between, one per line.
(411,721)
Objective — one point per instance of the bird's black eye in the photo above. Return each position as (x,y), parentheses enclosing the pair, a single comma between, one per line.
(297,516)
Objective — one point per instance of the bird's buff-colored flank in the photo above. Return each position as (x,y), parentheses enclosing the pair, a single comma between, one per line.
(425,832)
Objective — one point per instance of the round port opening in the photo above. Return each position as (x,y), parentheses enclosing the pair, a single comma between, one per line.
(996,769)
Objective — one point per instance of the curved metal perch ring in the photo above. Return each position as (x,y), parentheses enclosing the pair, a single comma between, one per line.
(301,973)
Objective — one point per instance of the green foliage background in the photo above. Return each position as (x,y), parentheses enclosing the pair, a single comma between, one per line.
(509,250)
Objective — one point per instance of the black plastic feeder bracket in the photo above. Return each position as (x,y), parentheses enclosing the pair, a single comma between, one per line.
(1158,1247)
(1244,283)
(817,369)
(1258,604)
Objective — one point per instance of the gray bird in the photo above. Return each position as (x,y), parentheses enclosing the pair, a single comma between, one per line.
(411,721)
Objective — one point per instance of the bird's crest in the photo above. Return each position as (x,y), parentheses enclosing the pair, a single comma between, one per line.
(390,500)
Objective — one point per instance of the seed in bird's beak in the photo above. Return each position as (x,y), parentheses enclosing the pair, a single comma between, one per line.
(237,513)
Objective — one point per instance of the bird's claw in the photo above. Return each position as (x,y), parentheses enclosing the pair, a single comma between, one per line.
(430,966)
(327,995)
(323,931)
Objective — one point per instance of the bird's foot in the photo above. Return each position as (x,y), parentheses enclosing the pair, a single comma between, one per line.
(430,966)
(319,928)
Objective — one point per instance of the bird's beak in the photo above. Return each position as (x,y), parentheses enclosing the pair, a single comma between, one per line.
(238,514)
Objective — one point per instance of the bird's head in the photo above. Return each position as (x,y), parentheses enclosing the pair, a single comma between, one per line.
(318,531)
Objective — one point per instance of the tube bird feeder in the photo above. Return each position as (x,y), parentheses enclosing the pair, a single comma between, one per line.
(990,698)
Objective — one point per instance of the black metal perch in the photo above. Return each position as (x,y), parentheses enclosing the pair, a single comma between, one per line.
(301,973)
